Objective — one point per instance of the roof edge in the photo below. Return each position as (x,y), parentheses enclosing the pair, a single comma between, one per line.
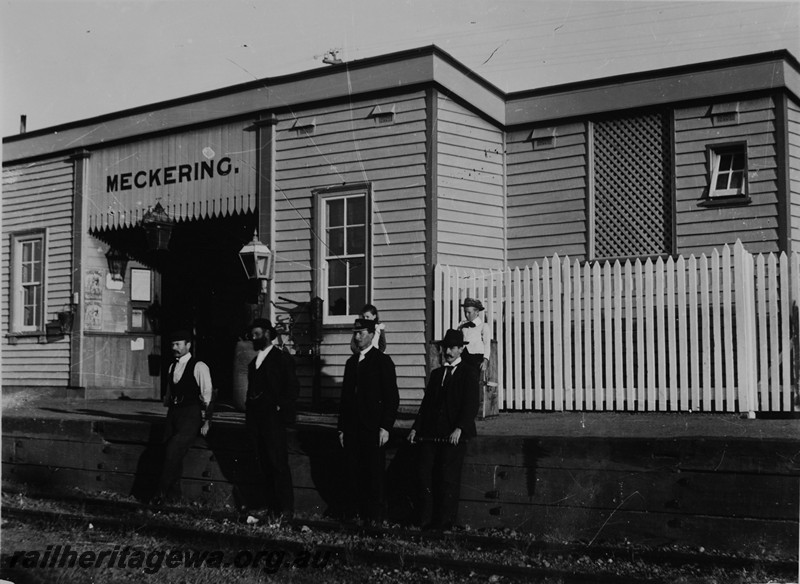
(778,54)
(432,50)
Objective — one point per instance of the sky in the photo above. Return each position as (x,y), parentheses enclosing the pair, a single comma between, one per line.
(75,59)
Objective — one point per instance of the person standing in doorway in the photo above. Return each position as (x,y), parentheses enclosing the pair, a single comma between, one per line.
(478,335)
(368,409)
(443,426)
(272,390)
(188,397)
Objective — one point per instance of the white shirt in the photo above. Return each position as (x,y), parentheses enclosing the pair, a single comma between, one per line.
(201,374)
(479,337)
(363,353)
(262,354)
(452,367)
(377,336)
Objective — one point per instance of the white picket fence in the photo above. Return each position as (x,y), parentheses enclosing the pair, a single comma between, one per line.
(714,333)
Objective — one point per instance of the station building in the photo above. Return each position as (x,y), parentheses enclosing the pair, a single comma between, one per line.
(361,178)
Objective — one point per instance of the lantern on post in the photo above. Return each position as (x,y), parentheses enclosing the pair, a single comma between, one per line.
(257,261)
(117,264)
(158,227)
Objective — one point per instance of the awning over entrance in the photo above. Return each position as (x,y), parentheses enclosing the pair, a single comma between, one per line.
(209,172)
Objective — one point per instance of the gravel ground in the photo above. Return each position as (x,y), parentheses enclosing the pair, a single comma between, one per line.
(279,563)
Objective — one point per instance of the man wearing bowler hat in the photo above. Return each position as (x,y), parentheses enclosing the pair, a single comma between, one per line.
(444,424)
(367,413)
(272,390)
(188,397)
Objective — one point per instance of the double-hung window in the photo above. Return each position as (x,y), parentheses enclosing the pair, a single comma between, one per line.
(28,282)
(343,252)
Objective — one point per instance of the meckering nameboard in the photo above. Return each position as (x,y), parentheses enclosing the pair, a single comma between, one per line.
(195,174)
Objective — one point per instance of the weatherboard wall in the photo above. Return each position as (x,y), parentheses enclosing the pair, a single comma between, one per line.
(547,195)
(701,228)
(38,196)
(348,145)
(793,121)
(470,194)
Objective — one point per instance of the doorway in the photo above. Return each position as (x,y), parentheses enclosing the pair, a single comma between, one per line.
(204,289)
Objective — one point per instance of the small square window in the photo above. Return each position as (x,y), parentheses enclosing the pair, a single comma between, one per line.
(728,171)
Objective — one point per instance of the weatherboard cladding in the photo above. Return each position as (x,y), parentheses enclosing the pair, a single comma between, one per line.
(546,196)
(794,173)
(37,196)
(699,228)
(470,227)
(347,146)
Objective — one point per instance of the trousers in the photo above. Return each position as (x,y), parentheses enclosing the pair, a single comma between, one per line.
(182,427)
(440,482)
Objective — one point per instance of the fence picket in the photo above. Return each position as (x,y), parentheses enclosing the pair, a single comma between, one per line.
(588,395)
(619,383)
(706,318)
(794,289)
(547,336)
(727,329)
(630,396)
(762,334)
(517,339)
(772,299)
(538,396)
(598,339)
(577,395)
(687,347)
(786,347)
(529,348)
(641,395)
(650,337)
(566,328)
(743,345)
(558,338)
(661,333)
(507,370)
(671,386)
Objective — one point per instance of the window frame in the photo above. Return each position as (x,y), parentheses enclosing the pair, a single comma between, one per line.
(714,155)
(321,198)
(16,300)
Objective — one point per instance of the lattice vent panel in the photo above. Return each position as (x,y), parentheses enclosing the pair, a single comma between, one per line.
(631,187)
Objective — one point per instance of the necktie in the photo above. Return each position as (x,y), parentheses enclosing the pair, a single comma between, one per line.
(468,325)
(448,371)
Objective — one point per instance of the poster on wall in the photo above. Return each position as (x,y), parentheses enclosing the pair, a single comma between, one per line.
(140,285)
(93,285)
(93,317)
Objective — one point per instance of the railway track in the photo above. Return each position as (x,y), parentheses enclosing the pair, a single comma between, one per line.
(513,559)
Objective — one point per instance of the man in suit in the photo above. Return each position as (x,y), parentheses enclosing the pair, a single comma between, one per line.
(367,413)
(188,397)
(272,390)
(444,424)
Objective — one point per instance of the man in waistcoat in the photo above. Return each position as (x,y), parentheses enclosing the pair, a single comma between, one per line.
(368,409)
(444,424)
(272,390)
(188,397)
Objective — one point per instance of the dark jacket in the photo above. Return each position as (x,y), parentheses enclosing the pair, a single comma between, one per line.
(369,393)
(459,401)
(271,385)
